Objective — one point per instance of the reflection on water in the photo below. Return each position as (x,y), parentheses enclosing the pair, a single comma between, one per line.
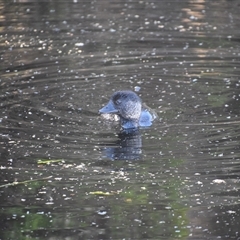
(60,60)
(128,146)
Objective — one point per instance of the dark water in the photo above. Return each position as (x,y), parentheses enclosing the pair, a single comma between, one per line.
(60,62)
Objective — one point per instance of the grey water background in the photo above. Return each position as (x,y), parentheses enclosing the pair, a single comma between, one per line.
(60,63)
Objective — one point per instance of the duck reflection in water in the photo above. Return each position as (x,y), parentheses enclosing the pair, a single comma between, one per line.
(127,108)
(127,147)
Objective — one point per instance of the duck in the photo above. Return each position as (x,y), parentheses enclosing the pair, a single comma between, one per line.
(127,107)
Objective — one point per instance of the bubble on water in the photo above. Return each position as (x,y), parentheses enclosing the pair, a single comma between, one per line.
(137,88)
(219,181)
(79,44)
(102,213)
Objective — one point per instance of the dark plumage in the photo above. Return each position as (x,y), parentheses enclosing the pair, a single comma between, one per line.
(127,107)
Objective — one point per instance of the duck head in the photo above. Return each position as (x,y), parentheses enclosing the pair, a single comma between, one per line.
(127,105)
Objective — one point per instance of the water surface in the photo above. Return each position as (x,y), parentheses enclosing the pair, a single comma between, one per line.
(68,174)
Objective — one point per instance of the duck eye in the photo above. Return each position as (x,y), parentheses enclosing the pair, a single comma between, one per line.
(118,102)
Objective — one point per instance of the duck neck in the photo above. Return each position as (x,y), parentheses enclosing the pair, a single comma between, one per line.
(127,124)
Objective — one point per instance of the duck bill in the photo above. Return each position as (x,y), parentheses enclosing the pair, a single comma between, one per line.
(109,108)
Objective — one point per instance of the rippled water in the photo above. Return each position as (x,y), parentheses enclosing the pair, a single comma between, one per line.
(68,174)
